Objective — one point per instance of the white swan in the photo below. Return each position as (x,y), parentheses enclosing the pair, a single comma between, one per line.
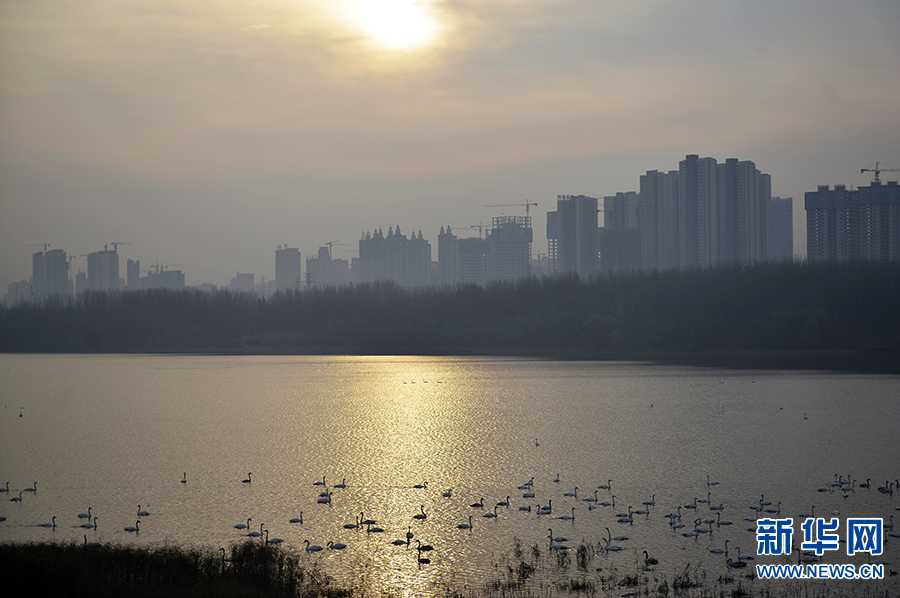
(568,517)
(343,484)
(255,534)
(649,560)
(556,538)
(611,547)
(421,514)
(312,547)
(336,545)
(32,489)
(320,483)
(606,486)
(50,523)
(142,513)
(720,550)
(491,514)
(85,515)
(298,519)
(573,493)
(466,525)
(134,528)
(5,489)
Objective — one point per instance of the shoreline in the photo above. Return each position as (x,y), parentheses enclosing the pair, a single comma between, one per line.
(862,361)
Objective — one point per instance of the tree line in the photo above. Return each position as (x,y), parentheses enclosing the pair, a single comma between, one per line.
(759,307)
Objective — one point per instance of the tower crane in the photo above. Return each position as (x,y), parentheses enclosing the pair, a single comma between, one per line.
(45,245)
(878,171)
(116,244)
(527,205)
(330,249)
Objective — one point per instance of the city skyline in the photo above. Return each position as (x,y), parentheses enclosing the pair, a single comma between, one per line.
(207,138)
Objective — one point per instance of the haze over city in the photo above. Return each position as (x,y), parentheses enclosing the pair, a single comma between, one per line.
(205,136)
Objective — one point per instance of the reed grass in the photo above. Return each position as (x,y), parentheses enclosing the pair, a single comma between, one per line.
(254,570)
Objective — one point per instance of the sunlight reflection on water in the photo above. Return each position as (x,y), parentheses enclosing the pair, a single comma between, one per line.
(113,432)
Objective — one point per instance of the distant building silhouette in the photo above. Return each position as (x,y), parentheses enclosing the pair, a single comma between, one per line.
(448,257)
(103,270)
(620,240)
(287,267)
(577,235)
(50,273)
(322,271)
(510,247)
(781,229)
(394,257)
(243,282)
(844,224)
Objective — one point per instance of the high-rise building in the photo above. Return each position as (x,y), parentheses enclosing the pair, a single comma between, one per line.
(394,257)
(577,233)
(474,260)
(510,241)
(448,257)
(620,241)
(781,229)
(50,273)
(287,267)
(658,220)
(879,222)
(845,225)
(103,270)
(323,271)
(132,274)
(243,282)
(553,242)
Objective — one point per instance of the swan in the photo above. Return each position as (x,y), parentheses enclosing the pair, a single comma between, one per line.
(611,547)
(812,512)
(247,481)
(423,560)
(409,534)
(343,484)
(674,515)
(503,503)
(421,514)
(605,486)
(763,501)
(556,479)
(85,515)
(707,499)
(720,521)
(526,486)
(448,493)
(651,502)
(134,528)
(591,498)
(50,523)
(555,538)
(5,489)
(528,495)
(568,517)
(255,534)
(423,547)
(352,525)
(90,544)
(365,521)
(90,525)
(491,514)
(243,525)
(399,542)
(478,505)
(320,483)
(720,550)
(184,478)
(141,513)
(774,510)
(744,557)
(738,564)
(691,505)
(617,538)
(628,514)
(573,493)
(298,519)
(323,500)
(422,485)
(525,508)
(336,545)
(16,498)
(606,503)
(717,507)
(649,560)
(466,525)
(864,485)
(32,489)
(373,529)
(272,540)
(547,509)
(710,482)
(312,547)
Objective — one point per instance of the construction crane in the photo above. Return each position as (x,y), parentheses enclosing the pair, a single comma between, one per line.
(116,244)
(45,245)
(479,226)
(878,171)
(508,205)
(330,251)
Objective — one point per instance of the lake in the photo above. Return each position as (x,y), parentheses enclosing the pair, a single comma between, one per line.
(112,432)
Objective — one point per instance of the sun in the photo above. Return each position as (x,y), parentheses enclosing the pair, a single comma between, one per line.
(393,24)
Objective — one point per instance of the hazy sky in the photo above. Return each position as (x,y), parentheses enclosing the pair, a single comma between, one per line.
(207,133)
